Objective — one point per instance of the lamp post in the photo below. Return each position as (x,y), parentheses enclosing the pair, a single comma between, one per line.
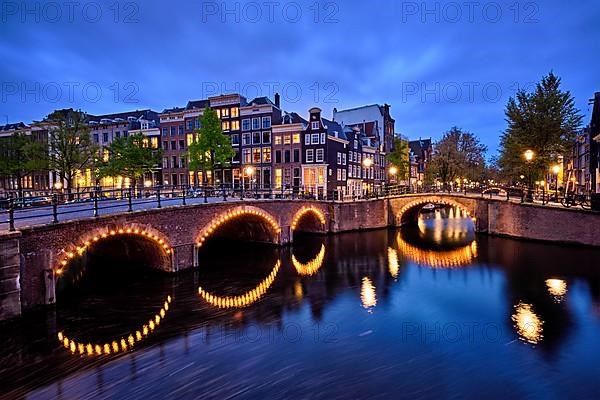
(367,163)
(393,171)
(249,172)
(529,155)
(556,171)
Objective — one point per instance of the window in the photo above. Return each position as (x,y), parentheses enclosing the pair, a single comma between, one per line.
(355,144)
(96,138)
(181,129)
(173,131)
(296,138)
(181,162)
(256,155)
(225,125)
(255,123)
(165,131)
(225,113)
(198,123)
(235,112)
(296,155)
(278,157)
(266,122)
(236,156)
(154,142)
(174,161)
(339,174)
(125,134)
(165,145)
(246,139)
(278,178)
(314,125)
(181,144)
(245,124)
(255,137)
(344,159)
(174,147)
(287,139)
(190,138)
(235,140)
(266,154)
(235,125)
(165,163)
(190,124)
(246,156)
(343,174)
(314,138)
(266,137)
(218,113)
(339,157)
(286,156)
(323,138)
(309,155)
(277,139)
(105,137)
(320,155)
(307,139)
(117,134)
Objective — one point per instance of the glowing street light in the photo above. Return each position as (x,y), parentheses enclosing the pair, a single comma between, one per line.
(58,186)
(147,183)
(393,170)
(556,171)
(529,155)
(367,163)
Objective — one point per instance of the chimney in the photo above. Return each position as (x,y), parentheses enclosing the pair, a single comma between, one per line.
(277,100)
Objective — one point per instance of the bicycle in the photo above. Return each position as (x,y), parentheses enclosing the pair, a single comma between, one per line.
(572,199)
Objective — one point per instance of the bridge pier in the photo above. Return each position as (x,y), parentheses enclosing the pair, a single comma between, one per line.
(10,266)
(185,256)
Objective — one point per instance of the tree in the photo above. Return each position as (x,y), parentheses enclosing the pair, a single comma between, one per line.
(21,155)
(210,147)
(130,157)
(459,154)
(399,157)
(71,145)
(544,120)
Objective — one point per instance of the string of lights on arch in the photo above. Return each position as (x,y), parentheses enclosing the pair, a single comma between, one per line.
(311,267)
(432,201)
(123,344)
(228,216)
(245,299)
(438,258)
(97,237)
(305,210)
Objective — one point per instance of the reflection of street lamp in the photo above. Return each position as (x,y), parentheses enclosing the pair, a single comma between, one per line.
(529,155)
(367,163)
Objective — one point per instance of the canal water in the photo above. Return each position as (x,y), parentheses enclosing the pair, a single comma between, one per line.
(433,311)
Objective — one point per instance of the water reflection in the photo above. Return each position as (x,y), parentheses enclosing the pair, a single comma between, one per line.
(301,318)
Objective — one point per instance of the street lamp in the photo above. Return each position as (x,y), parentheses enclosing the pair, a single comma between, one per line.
(529,155)
(249,173)
(367,163)
(393,171)
(556,170)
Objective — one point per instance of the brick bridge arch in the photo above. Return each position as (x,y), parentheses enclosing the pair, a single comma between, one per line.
(405,210)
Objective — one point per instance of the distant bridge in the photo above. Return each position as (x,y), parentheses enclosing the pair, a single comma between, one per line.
(169,238)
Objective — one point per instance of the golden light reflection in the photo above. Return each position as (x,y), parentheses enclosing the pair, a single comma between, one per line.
(368,296)
(245,299)
(454,258)
(116,346)
(393,264)
(556,287)
(528,325)
(312,266)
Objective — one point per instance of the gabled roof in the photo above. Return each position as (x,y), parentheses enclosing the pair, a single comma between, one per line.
(334,129)
(259,101)
(293,118)
(13,127)
(146,114)
(194,104)
(417,146)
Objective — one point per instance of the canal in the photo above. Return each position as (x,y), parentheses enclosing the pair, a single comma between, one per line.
(428,311)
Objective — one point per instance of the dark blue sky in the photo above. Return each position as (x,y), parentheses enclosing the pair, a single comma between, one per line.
(438,64)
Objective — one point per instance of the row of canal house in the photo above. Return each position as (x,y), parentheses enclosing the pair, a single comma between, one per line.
(284,150)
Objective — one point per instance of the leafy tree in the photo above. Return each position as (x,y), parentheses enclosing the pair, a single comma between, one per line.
(21,155)
(130,157)
(544,120)
(459,154)
(71,145)
(399,157)
(210,148)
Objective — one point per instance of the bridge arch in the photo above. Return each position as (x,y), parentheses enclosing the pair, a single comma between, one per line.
(409,212)
(159,244)
(254,223)
(309,219)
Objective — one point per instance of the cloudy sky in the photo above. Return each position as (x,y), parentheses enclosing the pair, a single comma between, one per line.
(438,64)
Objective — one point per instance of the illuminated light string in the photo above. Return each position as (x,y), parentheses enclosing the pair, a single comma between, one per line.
(432,201)
(245,299)
(84,245)
(305,210)
(235,214)
(438,259)
(116,346)
(311,267)
(529,326)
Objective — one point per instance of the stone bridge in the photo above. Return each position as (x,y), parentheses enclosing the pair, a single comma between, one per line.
(33,258)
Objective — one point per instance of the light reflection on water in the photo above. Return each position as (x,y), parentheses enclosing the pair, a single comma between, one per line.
(352,315)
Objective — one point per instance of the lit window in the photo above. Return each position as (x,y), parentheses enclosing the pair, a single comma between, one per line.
(256,155)
(225,125)
(266,154)
(190,138)
(296,138)
(225,112)
(287,139)
(278,178)
(235,112)
(235,125)
(277,139)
